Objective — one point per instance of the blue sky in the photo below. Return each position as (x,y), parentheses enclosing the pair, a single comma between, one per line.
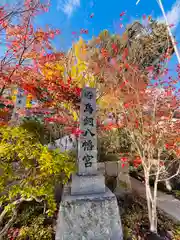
(73,15)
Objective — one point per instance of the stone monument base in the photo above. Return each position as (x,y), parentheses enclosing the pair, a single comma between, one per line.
(87,184)
(89,217)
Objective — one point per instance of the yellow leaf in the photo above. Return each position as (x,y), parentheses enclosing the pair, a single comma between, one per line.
(80,49)
(75,116)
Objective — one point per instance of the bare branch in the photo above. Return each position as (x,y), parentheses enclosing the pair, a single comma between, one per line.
(8,224)
(17,202)
(169,178)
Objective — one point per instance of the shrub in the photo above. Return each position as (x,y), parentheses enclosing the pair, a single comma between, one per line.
(113,143)
(36,230)
(29,171)
(36,126)
(32,223)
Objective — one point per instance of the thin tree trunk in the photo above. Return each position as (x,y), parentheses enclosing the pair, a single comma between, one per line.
(148,197)
(153,226)
(2,90)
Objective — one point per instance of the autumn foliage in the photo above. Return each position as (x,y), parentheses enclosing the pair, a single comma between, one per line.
(120,67)
(29,61)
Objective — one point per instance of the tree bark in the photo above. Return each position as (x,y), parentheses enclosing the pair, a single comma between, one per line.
(5,229)
(148,197)
(153,223)
(153,226)
(2,90)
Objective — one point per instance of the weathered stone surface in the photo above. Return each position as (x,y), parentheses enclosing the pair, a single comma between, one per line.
(123,186)
(87,142)
(111,168)
(123,177)
(19,104)
(124,168)
(101,167)
(20,99)
(89,217)
(92,156)
(87,184)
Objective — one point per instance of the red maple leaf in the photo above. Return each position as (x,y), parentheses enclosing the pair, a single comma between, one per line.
(122,14)
(77,132)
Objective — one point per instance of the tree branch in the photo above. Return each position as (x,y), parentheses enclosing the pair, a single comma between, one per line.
(174,175)
(17,202)
(8,224)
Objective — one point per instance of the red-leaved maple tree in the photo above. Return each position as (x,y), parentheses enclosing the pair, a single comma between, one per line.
(27,51)
(148,112)
(146,109)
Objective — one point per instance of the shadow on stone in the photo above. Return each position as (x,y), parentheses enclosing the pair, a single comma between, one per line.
(110,182)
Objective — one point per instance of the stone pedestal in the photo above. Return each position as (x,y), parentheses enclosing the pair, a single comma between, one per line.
(87,184)
(123,183)
(89,217)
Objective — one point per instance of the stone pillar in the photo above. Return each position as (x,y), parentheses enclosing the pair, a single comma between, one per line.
(123,183)
(88,179)
(88,210)
(19,104)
